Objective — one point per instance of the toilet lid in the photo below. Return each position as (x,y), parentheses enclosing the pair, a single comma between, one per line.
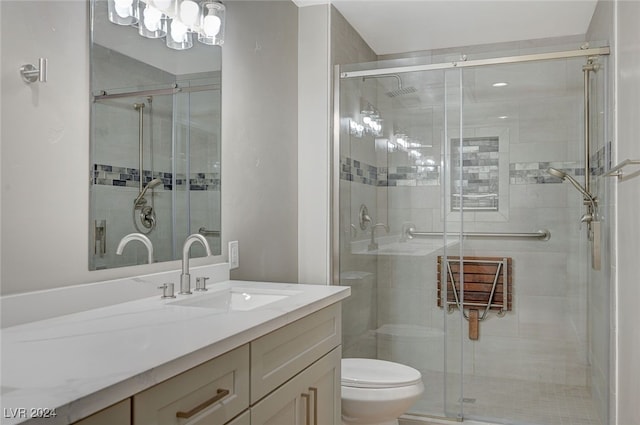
(371,373)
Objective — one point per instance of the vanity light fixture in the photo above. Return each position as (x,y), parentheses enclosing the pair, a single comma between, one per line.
(402,142)
(371,123)
(178,21)
(500,84)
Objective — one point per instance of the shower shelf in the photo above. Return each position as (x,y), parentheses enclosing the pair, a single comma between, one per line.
(617,170)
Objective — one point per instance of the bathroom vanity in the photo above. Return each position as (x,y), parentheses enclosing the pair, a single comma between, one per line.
(240,353)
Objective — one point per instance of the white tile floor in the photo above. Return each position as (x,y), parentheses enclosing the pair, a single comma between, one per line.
(510,401)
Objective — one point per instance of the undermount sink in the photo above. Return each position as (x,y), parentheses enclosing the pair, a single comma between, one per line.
(235,299)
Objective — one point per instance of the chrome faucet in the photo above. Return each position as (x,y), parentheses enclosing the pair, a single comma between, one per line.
(374,245)
(136,237)
(185,278)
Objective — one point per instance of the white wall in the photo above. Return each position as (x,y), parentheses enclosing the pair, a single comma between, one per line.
(627,75)
(45,149)
(314,123)
(259,133)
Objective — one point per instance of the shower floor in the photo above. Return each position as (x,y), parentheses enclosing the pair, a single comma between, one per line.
(512,401)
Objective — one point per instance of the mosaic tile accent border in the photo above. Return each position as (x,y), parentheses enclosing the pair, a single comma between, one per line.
(601,160)
(361,172)
(536,172)
(356,171)
(519,172)
(109,175)
(414,175)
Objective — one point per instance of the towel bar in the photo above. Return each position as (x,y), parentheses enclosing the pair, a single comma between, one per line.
(617,170)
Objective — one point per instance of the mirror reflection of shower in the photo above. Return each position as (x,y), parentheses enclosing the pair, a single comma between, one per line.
(142,214)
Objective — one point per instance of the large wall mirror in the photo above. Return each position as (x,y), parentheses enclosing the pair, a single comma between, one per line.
(155,143)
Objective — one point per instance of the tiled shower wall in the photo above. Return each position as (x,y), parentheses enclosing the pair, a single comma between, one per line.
(544,338)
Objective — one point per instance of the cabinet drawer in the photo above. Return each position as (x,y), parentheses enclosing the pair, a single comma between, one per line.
(283,353)
(310,398)
(119,413)
(213,392)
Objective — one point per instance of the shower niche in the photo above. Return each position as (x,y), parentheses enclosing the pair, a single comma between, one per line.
(155,145)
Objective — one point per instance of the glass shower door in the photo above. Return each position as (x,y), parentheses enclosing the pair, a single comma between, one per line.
(393,159)
(528,365)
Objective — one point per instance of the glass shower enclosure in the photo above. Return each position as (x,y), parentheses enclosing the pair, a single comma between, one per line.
(466,259)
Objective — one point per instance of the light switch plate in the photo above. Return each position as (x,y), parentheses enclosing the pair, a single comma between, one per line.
(234,256)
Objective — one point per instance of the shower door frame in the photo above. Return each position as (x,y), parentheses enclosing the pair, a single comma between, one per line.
(335,146)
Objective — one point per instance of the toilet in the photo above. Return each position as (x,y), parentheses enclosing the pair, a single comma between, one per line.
(377,392)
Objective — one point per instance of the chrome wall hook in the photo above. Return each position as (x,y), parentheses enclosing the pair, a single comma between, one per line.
(31,74)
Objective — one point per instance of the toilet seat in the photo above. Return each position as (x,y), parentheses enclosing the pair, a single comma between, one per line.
(373,373)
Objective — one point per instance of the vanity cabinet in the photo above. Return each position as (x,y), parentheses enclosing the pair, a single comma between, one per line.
(290,376)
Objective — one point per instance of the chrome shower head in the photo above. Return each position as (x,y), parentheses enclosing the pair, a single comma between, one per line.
(400,91)
(557,173)
(153,183)
(564,176)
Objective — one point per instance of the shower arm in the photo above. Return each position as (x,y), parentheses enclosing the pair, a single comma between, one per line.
(397,77)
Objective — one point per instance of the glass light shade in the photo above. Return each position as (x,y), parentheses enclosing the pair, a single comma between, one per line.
(153,24)
(123,12)
(179,38)
(211,23)
(189,12)
(164,5)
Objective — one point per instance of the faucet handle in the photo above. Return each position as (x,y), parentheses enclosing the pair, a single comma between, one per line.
(201,284)
(167,290)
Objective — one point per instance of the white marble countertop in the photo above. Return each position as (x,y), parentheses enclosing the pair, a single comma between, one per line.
(83,362)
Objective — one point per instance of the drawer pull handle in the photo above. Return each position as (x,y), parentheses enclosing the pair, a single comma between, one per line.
(314,390)
(308,402)
(222,393)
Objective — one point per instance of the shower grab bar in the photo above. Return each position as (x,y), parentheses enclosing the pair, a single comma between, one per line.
(542,234)
(617,170)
